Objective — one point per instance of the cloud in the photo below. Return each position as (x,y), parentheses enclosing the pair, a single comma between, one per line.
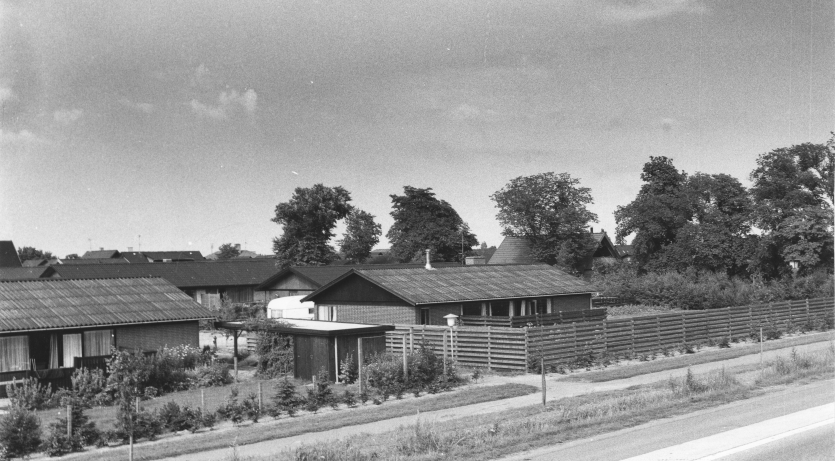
(143,107)
(227,102)
(667,123)
(21,139)
(630,11)
(65,117)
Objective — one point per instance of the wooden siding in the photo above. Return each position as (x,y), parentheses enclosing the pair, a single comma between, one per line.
(375,314)
(310,354)
(571,303)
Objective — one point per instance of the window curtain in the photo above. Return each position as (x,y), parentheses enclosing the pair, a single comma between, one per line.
(14,353)
(97,342)
(54,358)
(72,348)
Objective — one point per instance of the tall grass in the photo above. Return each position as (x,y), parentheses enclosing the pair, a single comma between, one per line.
(566,419)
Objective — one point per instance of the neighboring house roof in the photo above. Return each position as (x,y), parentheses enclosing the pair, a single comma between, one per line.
(76,262)
(35,262)
(95,254)
(134,257)
(55,303)
(321,275)
(8,254)
(174,255)
(244,254)
(24,273)
(183,274)
(517,250)
(468,283)
(625,250)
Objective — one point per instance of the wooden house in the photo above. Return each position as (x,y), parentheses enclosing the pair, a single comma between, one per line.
(424,296)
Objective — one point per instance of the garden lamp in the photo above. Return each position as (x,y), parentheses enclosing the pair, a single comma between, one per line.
(451,319)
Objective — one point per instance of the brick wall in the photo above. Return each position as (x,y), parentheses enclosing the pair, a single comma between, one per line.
(379,315)
(154,336)
(437,313)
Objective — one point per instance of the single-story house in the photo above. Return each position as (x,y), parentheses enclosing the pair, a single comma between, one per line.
(517,250)
(24,273)
(55,323)
(424,296)
(233,279)
(303,280)
(101,253)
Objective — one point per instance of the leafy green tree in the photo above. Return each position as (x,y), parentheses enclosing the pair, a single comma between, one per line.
(228,251)
(361,235)
(549,210)
(792,193)
(27,253)
(307,221)
(659,211)
(422,221)
(73,256)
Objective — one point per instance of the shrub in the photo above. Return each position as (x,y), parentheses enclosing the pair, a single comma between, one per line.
(20,432)
(30,394)
(275,354)
(215,374)
(348,370)
(384,372)
(236,411)
(349,398)
(321,391)
(285,398)
(90,388)
(84,433)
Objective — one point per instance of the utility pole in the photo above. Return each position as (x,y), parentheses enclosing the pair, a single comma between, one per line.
(140,242)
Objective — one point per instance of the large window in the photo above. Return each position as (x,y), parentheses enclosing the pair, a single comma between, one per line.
(499,308)
(472,308)
(327,313)
(97,342)
(72,349)
(14,353)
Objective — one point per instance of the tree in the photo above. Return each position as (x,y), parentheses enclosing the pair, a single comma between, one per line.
(792,193)
(659,211)
(422,221)
(549,210)
(73,256)
(228,251)
(307,221)
(361,235)
(27,253)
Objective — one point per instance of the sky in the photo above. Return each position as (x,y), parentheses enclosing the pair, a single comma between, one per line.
(180,125)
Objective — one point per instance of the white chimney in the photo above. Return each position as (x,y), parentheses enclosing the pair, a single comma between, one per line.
(238,246)
(428,264)
(130,248)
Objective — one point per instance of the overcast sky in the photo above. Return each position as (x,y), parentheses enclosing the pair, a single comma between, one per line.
(187,122)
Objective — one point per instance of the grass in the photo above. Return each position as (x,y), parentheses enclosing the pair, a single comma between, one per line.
(485,437)
(289,427)
(687,360)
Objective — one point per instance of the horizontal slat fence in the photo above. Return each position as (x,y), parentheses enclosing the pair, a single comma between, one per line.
(496,348)
(561,344)
(520,321)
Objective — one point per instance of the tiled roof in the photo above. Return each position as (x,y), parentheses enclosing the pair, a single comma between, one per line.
(133,257)
(94,261)
(184,274)
(174,255)
(35,262)
(470,283)
(23,273)
(513,250)
(95,254)
(625,250)
(8,254)
(56,303)
(322,275)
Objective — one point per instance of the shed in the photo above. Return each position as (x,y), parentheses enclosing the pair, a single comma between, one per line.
(318,344)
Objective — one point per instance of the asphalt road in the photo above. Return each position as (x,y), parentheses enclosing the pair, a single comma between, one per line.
(707,433)
(817,444)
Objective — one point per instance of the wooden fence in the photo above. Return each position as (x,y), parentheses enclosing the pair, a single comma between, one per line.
(521,321)
(561,344)
(497,348)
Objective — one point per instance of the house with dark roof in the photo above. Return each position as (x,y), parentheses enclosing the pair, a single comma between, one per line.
(100,254)
(51,324)
(303,280)
(517,250)
(8,254)
(172,256)
(80,261)
(424,296)
(25,273)
(234,280)
(625,251)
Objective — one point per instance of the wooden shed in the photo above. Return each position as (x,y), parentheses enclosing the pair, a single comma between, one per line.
(318,344)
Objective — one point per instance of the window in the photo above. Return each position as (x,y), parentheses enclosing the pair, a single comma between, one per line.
(72,349)
(97,342)
(424,316)
(14,353)
(500,308)
(472,308)
(327,313)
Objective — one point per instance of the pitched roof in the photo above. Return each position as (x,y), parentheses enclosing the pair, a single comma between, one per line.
(468,283)
(134,257)
(57,303)
(321,275)
(8,254)
(625,250)
(94,261)
(23,273)
(35,262)
(517,250)
(174,255)
(94,254)
(183,274)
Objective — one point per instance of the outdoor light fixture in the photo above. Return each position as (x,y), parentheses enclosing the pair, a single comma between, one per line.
(451,319)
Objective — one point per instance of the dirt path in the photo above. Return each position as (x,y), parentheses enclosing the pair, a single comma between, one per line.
(556,388)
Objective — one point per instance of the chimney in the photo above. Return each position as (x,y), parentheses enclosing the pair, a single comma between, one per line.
(428,264)
(130,248)
(591,230)
(238,246)
(101,248)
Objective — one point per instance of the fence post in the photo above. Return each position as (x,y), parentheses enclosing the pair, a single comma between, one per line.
(359,363)
(631,337)
(542,368)
(527,353)
(761,348)
(444,346)
(235,360)
(260,396)
(202,402)
(69,422)
(489,352)
(405,363)
(807,309)
(411,339)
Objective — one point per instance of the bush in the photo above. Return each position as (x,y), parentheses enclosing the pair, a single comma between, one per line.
(84,433)
(285,398)
(216,374)
(30,394)
(348,370)
(20,432)
(275,354)
(238,411)
(321,392)
(90,388)
(384,373)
